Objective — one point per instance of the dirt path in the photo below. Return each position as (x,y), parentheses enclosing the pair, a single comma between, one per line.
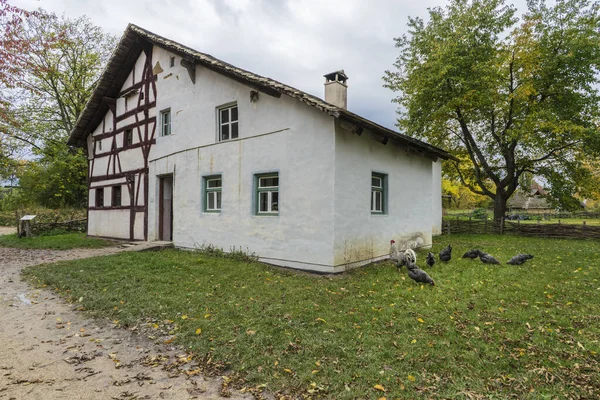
(49,350)
(7,230)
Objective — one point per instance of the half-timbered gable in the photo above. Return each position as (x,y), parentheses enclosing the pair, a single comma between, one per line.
(118,151)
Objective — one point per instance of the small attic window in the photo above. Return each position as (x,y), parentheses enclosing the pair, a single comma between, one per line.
(172,61)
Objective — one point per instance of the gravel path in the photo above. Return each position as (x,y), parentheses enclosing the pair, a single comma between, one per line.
(49,350)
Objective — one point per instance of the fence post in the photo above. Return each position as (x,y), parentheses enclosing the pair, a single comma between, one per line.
(448,226)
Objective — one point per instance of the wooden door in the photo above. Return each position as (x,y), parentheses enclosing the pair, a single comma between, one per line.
(165,209)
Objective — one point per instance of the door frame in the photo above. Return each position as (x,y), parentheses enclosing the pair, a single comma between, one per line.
(161,206)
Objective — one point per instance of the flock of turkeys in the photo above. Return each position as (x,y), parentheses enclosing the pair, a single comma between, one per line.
(408,258)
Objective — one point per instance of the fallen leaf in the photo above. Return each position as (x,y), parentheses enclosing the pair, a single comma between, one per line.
(321,319)
(250,332)
(198,331)
(184,317)
(379,387)
(420,320)
(411,378)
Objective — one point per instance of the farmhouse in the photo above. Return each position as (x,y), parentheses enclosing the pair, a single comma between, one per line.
(184,147)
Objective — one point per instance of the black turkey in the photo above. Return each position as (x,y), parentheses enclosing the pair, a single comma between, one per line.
(472,254)
(487,259)
(430,259)
(418,275)
(446,254)
(519,259)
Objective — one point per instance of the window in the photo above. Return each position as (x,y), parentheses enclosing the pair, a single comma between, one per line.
(100,197)
(172,61)
(228,123)
(267,194)
(99,141)
(165,122)
(116,196)
(378,182)
(125,103)
(128,137)
(212,193)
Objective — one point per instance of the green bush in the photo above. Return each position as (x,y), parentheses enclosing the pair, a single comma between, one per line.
(480,213)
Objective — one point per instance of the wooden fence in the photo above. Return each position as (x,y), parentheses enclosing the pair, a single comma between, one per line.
(561,231)
(52,221)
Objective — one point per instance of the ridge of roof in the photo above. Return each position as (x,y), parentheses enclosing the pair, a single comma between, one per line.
(130,47)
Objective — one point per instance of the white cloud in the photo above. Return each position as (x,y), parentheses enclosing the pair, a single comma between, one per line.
(293,41)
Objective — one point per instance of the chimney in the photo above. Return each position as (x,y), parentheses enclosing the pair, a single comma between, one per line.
(336,90)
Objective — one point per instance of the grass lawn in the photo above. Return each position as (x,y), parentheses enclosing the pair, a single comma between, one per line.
(529,331)
(63,241)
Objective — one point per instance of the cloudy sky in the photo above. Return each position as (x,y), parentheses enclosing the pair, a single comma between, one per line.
(292,41)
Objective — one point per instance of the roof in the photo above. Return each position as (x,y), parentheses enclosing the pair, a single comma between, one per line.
(135,39)
(528,201)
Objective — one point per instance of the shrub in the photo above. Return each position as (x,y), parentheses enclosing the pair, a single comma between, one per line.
(480,213)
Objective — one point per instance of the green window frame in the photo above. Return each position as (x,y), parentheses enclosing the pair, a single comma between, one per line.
(213,193)
(267,194)
(378,193)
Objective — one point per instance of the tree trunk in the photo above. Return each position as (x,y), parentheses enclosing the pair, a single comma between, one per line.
(499,208)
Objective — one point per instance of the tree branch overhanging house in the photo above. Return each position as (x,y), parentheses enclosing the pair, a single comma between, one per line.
(184,147)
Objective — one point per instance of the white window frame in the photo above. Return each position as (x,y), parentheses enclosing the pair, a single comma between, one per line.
(269,191)
(165,126)
(378,191)
(215,192)
(229,122)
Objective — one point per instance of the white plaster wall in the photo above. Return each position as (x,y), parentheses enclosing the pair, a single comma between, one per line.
(194,107)
(109,223)
(361,236)
(436,228)
(280,135)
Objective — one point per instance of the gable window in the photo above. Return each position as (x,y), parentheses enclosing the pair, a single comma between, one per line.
(378,183)
(228,122)
(128,137)
(100,197)
(172,62)
(165,122)
(116,196)
(267,194)
(213,186)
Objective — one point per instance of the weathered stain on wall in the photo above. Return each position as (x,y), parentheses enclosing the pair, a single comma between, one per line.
(356,251)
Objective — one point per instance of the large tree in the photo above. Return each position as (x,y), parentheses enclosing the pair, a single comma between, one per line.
(508,97)
(63,60)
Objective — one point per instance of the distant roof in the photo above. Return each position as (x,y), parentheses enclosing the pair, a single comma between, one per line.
(528,201)
(135,39)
